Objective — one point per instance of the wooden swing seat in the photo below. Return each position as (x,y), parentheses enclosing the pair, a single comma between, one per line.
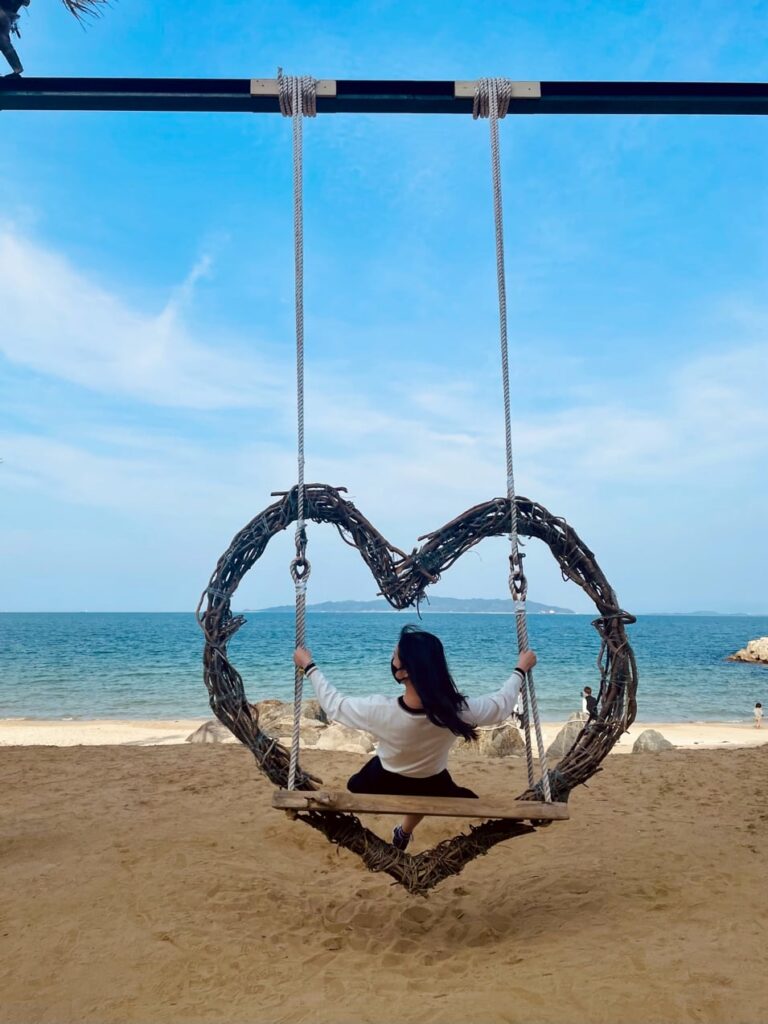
(295,800)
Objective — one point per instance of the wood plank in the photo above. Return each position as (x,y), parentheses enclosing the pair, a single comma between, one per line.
(519,90)
(454,807)
(271,87)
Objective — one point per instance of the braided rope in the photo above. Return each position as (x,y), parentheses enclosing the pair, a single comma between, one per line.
(492,96)
(527,735)
(298,99)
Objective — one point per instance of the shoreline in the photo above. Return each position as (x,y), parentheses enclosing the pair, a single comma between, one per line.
(25,732)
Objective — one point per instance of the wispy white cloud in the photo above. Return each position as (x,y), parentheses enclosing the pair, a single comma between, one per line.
(58,321)
(414,448)
(445,433)
(709,414)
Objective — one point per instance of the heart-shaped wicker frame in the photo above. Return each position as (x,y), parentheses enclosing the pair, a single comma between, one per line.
(403,580)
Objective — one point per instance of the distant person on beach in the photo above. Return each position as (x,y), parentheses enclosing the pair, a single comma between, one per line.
(758,715)
(589,703)
(416,730)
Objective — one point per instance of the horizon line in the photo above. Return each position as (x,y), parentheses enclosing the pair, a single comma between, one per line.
(386,611)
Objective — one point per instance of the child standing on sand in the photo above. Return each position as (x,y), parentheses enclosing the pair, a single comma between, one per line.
(415,731)
(758,714)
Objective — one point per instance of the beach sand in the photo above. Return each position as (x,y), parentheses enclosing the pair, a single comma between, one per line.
(163,732)
(145,884)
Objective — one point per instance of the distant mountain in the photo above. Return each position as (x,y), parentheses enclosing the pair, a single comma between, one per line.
(470,605)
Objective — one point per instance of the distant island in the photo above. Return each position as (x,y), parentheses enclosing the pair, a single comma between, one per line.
(708,614)
(442,605)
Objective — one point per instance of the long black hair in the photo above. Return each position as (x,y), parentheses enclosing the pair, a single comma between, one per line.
(423,658)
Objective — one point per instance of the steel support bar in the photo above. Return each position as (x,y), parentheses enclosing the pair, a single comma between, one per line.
(380,97)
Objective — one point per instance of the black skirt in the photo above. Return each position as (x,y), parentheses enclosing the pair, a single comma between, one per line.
(374,778)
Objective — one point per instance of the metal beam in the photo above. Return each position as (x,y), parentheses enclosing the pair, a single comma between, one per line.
(380,97)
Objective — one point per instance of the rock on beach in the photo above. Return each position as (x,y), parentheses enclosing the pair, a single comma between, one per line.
(650,741)
(500,741)
(211,732)
(565,739)
(341,737)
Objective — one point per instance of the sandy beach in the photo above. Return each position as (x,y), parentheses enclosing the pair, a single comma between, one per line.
(157,884)
(165,732)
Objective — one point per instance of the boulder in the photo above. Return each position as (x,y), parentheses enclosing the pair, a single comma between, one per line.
(310,728)
(272,711)
(311,709)
(212,732)
(308,735)
(500,741)
(579,716)
(755,652)
(268,710)
(565,739)
(651,742)
(340,737)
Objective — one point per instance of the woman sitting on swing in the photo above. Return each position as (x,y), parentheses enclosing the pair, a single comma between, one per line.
(415,731)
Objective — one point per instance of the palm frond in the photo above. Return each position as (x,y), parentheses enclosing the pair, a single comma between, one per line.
(83,9)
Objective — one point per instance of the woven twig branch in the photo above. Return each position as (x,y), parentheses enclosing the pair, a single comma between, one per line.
(403,579)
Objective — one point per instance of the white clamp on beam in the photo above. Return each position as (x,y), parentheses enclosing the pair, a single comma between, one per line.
(519,90)
(271,87)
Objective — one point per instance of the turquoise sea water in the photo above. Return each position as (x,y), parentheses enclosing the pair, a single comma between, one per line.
(94,665)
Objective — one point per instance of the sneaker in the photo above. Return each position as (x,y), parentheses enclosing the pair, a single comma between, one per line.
(401,838)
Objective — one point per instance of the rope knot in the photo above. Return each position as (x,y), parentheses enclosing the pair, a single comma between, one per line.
(297,94)
(492,96)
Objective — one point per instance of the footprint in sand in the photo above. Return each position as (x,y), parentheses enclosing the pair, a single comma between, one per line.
(416,915)
(404,945)
(333,989)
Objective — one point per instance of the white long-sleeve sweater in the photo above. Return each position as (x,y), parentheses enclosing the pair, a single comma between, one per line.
(408,743)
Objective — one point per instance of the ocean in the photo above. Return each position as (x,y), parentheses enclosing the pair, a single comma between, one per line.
(144,665)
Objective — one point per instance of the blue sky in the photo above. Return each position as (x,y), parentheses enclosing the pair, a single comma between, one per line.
(146,281)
